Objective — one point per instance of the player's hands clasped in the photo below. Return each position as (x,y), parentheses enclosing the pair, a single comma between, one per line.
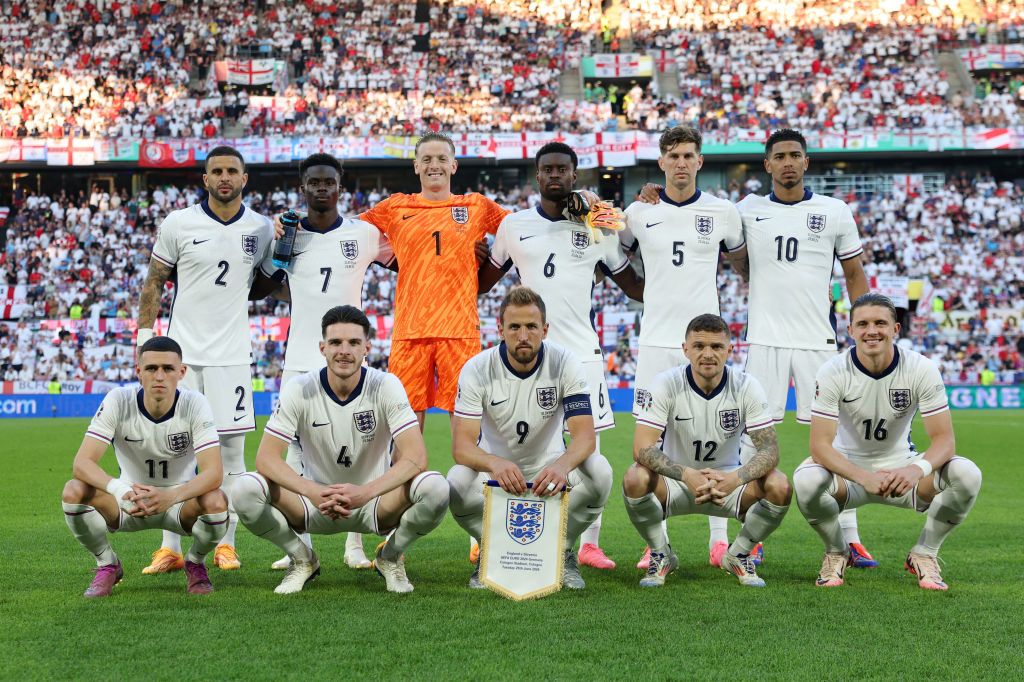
(331,502)
(877,482)
(551,480)
(901,480)
(150,500)
(695,481)
(719,486)
(508,476)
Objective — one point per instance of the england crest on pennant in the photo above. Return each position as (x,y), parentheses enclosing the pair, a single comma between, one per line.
(178,442)
(580,240)
(350,249)
(524,520)
(705,225)
(729,419)
(460,214)
(899,399)
(365,422)
(546,397)
(250,243)
(815,222)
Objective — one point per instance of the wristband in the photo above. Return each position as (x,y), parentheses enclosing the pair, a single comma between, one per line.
(118,489)
(143,335)
(924,465)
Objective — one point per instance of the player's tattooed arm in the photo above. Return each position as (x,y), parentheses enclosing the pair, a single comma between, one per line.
(152,289)
(657,461)
(766,458)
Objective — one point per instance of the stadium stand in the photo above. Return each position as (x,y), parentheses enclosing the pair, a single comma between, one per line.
(145,71)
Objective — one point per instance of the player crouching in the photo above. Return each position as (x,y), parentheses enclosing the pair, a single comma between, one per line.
(701,410)
(159,434)
(861,452)
(512,402)
(345,415)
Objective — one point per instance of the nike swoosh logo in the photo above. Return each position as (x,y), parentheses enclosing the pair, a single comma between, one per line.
(522,239)
(406,217)
(759,218)
(499,402)
(324,424)
(240,418)
(297,253)
(851,399)
(132,440)
(683,419)
(200,241)
(603,415)
(650,225)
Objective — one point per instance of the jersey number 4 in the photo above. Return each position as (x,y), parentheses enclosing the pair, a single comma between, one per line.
(343,457)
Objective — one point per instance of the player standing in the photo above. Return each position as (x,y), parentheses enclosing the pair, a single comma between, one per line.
(160,435)
(793,238)
(434,235)
(861,452)
(700,410)
(680,239)
(329,262)
(513,402)
(346,416)
(212,249)
(557,258)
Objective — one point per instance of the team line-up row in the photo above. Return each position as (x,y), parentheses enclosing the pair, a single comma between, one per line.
(364,460)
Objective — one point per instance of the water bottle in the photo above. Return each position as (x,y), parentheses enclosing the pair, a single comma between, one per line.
(283,247)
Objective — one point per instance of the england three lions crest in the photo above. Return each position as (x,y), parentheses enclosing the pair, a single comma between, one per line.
(580,240)
(644,399)
(524,521)
(815,222)
(729,419)
(365,422)
(460,214)
(705,225)
(250,244)
(899,399)
(350,249)
(178,442)
(547,398)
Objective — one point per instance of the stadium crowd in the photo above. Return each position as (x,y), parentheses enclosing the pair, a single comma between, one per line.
(85,257)
(128,69)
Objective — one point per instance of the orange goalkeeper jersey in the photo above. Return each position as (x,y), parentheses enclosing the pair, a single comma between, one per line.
(434,242)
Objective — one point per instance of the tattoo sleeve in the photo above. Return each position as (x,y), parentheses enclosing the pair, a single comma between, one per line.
(766,458)
(152,289)
(657,461)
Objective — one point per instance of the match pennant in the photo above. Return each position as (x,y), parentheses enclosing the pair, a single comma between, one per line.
(523,545)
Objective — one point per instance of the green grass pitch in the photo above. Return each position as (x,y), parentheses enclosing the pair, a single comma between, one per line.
(702,624)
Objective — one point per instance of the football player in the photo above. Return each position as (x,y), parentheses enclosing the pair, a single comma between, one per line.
(160,434)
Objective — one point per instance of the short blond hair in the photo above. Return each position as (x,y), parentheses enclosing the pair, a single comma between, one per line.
(434,137)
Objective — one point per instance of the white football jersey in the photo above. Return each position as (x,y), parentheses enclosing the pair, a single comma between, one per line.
(556,258)
(792,248)
(875,412)
(702,430)
(214,265)
(680,245)
(327,270)
(158,452)
(343,441)
(522,414)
